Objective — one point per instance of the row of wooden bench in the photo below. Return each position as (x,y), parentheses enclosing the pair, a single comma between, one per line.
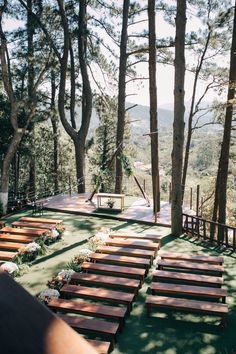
(120,267)
(188,284)
(12,238)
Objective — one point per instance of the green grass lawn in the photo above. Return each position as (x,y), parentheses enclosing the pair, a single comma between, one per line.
(168,333)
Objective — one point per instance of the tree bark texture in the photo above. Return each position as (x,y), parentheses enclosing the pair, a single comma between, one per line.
(153,107)
(121,94)
(86,92)
(178,126)
(54,121)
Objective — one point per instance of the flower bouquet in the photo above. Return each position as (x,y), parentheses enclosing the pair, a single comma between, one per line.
(60,228)
(100,238)
(51,237)
(10,268)
(60,279)
(47,295)
(29,252)
(82,256)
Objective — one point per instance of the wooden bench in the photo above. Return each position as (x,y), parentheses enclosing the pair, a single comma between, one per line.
(93,310)
(7,256)
(199,279)
(98,279)
(164,302)
(191,257)
(87,325)
(203,291)
(98,294)
(112,269)
(149,237)
(17,238)
(201,267)
(10,245)
(123,260)
(126,251)
(41,220)
(101,347)
(32,225)
(146,245)
(17,231)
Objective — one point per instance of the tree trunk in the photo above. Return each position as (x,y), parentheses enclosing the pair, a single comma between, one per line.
(220,202)
(121,94)
(178,126)
(80,162)
(6,167)
(54,121)
(153,107)
(31,98)
(86,93)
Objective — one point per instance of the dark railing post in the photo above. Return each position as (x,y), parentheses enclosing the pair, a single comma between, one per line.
(191,199)
(197,201)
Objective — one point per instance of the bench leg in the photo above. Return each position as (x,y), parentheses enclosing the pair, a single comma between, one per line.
(223,322)
(148,310)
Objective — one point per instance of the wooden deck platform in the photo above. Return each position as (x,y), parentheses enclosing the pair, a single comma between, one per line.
(137,211)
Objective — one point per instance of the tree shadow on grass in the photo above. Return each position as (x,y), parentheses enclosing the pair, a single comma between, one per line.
(59,252)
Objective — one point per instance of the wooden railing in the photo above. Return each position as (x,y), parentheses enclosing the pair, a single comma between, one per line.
(208,230)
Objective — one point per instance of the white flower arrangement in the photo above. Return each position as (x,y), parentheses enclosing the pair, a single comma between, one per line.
(32,247)
(83,255)
(29,252)
(100,238)
(9,267)
(46,295)
(66,274)
(54,233)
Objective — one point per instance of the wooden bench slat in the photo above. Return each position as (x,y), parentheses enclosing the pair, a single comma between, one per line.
(151,246)
(31,225)
(112,269)
(191,257)
(188,277)
(7,256)
(149,237)
(41,220)
(98,279)
(126,251)
(17,238)
(133,261)
(91,325)
(98,294)
(101,347)
(14,231)
(190,266)
(10,245)
(187,305)
(95,310)
(189,290)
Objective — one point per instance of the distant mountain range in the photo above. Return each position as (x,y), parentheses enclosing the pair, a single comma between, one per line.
(140,119)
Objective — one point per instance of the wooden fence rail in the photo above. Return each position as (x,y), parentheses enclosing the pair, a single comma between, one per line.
(208,230)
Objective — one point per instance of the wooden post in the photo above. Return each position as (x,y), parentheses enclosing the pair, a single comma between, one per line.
(191,199)
(197,201)
(144,185)
(170,193)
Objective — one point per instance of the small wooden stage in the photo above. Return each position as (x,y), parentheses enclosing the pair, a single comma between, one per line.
(137,210)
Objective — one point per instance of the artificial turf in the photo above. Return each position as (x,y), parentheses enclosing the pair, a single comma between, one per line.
(168,332)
